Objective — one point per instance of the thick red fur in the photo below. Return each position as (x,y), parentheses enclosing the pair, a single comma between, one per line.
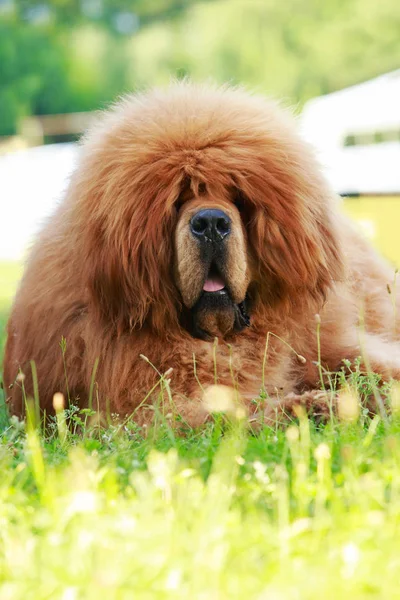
(102,273)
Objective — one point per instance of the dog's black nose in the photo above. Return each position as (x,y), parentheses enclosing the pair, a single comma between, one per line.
(210,224)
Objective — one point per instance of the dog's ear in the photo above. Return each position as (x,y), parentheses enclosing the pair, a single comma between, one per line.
(297,255)
(292,233)
(128,255)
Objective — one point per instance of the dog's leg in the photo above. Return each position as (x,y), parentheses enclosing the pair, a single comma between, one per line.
(381,356)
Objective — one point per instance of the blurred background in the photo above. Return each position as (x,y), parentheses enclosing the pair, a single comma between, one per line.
(335,62)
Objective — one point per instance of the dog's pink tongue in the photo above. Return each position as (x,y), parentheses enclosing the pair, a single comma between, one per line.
(213,284)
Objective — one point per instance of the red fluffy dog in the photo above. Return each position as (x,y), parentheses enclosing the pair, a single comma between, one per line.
(196,213)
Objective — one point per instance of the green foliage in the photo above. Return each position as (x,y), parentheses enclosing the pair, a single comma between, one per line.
(118,512)
(63,55)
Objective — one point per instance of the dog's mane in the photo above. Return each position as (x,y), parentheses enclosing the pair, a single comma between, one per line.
(138,159)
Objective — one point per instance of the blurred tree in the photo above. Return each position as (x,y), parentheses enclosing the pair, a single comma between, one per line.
(70,55)
(295,49)
(124,16)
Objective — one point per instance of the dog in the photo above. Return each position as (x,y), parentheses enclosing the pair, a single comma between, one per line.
(197,213)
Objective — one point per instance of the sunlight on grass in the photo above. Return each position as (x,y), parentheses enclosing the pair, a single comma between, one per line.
(114,513)
(10,274)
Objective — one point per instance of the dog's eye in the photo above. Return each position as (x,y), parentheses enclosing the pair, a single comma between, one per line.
(239,203)
(178,204)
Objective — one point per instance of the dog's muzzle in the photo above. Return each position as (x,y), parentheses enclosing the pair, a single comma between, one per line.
(211,227)
(215,310)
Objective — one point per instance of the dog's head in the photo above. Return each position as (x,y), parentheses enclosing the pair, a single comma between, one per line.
(199,207)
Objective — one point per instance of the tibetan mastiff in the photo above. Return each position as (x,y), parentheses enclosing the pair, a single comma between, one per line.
(197,238)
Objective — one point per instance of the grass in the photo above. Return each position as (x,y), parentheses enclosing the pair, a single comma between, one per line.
(10,273)
(118,512)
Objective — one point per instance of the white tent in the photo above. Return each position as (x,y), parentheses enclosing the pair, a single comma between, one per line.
(356,132)
(31,183)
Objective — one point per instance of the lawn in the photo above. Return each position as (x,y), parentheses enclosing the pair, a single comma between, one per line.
(298,512)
